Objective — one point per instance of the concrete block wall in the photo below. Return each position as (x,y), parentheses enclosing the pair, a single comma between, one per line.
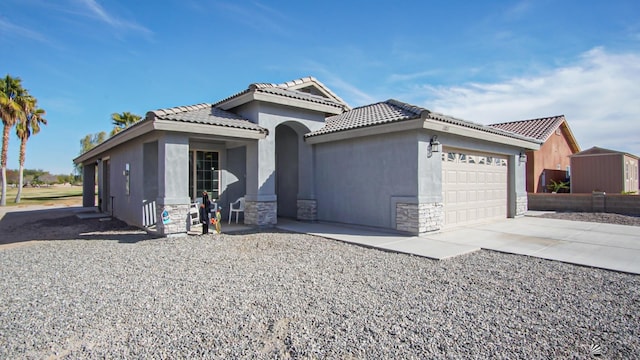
(595,202)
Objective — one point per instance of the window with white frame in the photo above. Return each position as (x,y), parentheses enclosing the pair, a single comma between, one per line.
(204,174)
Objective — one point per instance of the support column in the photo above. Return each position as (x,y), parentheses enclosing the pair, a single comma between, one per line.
(423,212)
(89,185)
(261,205)
(517,195)
(172,204)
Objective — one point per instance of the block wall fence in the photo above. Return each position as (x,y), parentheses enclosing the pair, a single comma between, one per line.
(595,202)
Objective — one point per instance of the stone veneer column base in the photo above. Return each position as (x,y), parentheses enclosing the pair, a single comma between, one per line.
(261,213)
(419,218)
(177,223)
(521,205)
(307,210)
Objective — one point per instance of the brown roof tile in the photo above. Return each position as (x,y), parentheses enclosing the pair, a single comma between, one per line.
(539,129)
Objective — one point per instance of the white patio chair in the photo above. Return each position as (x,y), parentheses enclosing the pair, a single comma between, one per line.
(194,214)
(236,209)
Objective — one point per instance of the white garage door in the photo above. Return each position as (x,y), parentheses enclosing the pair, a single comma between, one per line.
(474,187)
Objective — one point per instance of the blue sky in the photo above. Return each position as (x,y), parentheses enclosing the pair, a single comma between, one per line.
(482,61)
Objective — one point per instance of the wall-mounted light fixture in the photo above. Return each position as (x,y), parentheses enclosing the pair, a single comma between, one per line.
(435,144)
(523,158)
(127,181)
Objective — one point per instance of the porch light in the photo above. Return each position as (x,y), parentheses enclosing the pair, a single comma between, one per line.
(435,144)
(523,158)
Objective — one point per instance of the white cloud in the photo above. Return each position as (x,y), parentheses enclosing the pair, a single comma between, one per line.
(10,28)
(258,16)
(97,11)
(598,94)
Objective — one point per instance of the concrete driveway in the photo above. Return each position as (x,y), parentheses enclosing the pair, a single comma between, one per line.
(607,246)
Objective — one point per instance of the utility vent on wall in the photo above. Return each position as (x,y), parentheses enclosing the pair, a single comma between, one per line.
(558,132)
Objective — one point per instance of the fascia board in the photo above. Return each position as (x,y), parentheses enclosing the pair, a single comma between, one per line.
(207,129)
(237,101)
(283,100)
(420,123)
(477,134)
(167,125)
(134,132)
(413,124)
(569,136)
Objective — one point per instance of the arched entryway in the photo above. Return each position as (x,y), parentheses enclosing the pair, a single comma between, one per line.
(287,170)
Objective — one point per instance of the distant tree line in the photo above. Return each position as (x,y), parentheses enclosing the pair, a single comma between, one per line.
(34,177)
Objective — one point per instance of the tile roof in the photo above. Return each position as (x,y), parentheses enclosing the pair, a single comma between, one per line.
(391,111)
(205,114)
(285,90)
(539,129)
(374,114)
(308,80)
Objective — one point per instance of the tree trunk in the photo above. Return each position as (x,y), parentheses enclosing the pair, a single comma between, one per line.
(23,152)
(3,202)
(5,149)
(20,184)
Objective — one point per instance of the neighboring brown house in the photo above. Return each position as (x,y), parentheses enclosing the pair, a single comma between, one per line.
(599,169)
(551,162)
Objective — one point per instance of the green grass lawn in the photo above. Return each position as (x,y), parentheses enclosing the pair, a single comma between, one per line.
(53,195)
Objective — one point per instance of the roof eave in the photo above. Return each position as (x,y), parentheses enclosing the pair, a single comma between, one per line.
(573,143)
(209,129)
(153,124)
(435,125)
(422,123)
(254,95)
(379,129)
(135,131)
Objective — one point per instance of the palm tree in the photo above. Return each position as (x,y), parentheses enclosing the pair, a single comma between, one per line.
(123,121)
(11,97)
(27,126)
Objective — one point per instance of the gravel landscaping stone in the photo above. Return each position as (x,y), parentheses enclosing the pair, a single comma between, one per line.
(281,295)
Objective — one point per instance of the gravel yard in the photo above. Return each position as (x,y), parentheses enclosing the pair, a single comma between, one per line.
(117,293)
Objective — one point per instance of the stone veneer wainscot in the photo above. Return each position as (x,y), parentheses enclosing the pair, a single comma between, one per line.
(419,218)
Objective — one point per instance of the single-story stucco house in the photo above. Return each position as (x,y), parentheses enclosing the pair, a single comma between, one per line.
(297,150)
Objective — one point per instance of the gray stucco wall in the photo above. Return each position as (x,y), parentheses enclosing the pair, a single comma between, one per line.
(356,180)
(127,207)
(261,167)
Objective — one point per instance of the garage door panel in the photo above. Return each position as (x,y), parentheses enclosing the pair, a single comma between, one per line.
(474,188)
